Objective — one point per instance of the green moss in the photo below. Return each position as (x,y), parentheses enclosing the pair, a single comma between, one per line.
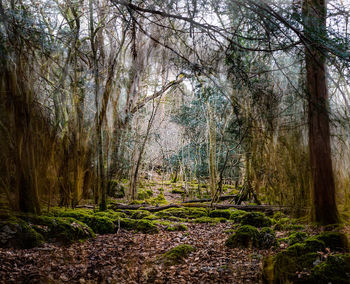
(209,220)
(150,217)
(279,215)
(177,254)
(160,199)
(115,189)
(302,262)
(334,240)
(171,227)
(256,219)
(177,227)
(19,234)
(267,238)
(294,227)
(287,264)
(237,215)
(176,219)
(138,202)
(246,236)
(296,237)
(139,214)
(144,226)
(100,223)
(220,213)
(336,269)
(61,229)
(110,214)
(182,212)
(144,194)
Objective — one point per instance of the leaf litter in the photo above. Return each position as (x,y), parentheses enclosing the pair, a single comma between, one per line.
(129,257)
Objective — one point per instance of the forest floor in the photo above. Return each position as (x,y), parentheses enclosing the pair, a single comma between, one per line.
(131,257)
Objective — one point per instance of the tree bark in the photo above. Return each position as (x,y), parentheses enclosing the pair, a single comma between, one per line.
(323,193)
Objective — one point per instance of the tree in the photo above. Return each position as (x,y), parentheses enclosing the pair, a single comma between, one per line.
(324,203)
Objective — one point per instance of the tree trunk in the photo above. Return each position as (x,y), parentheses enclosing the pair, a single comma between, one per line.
(323,194)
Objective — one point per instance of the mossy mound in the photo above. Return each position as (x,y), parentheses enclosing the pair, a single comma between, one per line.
(144,194)
(246,236)
(336,269)
(182,212)
(17,233)
(279,215)
(110,214)
(267,238)
(144,226)
(237,215)
(304,262)
(171,227)
(60,229)
(295,237)
(220,213)
(100,222)
(177,254)
(209,220)
(256,219)
(139,214)
(335,241)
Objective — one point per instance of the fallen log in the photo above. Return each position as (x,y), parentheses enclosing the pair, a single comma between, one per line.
(269,209)
(222,198)
(120,206)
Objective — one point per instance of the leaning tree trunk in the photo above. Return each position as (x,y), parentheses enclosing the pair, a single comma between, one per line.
(324,204)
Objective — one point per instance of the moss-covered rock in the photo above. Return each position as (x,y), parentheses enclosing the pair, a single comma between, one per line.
(256,219)
(61,229)
(171,227)
(335,241)
(139,214)
(17,233)
(144,194)
(296,237)
(144,226)
(110,214)
(220,213)
(100,223)
(246,236)
(182,212)
(304,262)
(237,215)
(336,269)
(177,254)
(267,238)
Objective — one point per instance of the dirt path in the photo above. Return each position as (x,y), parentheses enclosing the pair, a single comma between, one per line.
(133,258)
